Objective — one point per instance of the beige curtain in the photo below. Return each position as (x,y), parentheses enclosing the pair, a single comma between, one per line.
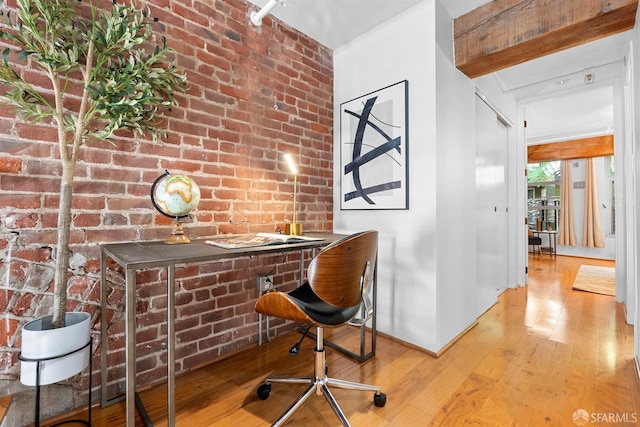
(592,236)
(567,233)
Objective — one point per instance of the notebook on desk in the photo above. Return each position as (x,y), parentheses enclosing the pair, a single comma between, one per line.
(237,241)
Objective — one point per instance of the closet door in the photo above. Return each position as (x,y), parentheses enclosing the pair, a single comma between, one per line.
(491,206)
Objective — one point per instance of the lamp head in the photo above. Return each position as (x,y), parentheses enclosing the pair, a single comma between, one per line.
(292,166)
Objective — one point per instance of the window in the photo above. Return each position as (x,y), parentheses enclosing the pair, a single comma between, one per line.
(543,195)
(544,188)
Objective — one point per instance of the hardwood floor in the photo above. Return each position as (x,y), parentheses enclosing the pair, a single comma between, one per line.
(541,353)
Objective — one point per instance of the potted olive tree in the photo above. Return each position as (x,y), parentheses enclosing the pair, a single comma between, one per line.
(105,72)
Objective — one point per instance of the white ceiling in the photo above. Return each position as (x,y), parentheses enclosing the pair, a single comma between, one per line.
(337,22)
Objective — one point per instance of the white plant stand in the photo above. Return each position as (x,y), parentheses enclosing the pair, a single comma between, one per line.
(50,355)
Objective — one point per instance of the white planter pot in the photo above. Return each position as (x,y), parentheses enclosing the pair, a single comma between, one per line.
(40,341)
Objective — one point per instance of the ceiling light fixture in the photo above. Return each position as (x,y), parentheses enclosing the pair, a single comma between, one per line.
(256,17)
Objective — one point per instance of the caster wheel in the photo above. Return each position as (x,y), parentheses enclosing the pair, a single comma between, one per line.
(263,391)
(380,400)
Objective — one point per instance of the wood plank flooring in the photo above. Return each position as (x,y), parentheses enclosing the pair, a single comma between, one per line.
(535,358)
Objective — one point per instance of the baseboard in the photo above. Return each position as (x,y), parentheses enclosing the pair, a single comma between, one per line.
(435,354)
(455,339)
(586,257)
(635,359)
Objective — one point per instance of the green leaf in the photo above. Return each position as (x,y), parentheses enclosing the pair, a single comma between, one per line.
(24,54)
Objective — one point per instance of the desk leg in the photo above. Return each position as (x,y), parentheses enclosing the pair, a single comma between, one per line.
(104,341)
(374,293)
(171,346)
(302,267)
(130,351)
(552,246)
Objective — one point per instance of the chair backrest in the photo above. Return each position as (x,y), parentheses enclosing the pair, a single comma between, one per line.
(338,273)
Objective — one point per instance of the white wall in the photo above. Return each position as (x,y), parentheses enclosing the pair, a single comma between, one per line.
(455,187)
(407,249)
(426,272)
(625,191)
(634,177)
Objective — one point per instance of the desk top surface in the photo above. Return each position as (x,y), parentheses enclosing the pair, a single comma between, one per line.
(138,255)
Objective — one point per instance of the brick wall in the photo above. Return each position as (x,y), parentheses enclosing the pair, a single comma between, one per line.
(252,95)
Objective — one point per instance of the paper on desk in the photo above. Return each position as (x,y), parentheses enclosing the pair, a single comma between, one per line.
(236,241)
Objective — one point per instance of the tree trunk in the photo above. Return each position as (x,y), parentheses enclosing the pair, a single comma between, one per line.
(62,256)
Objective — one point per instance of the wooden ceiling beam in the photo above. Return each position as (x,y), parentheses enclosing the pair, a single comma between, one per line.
(503,33)
(583,148)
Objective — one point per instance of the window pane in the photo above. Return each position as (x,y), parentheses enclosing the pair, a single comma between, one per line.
(544,194)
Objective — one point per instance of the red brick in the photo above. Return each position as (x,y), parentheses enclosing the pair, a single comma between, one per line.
(161,149)
(225,133)
(94,295)
(37,133)
(20,201)
(86,220)
(10,165)
(22,304)
(111,219)
(78,286)
(111,235)
(194,334)
(92,266)
(33,255)
(5,295)
(29,184)
(8,332)
(21,220)
(181,167)
(116,297)
(51,167)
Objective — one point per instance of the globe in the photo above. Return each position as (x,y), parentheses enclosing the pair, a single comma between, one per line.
(175,195)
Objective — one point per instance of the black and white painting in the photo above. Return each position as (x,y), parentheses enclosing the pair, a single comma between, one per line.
(373,150)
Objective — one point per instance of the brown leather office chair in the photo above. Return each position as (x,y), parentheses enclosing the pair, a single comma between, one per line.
(331,297)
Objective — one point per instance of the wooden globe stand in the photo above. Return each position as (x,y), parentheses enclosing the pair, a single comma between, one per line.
(177,234)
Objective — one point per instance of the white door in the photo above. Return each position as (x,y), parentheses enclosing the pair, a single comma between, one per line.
(491,206)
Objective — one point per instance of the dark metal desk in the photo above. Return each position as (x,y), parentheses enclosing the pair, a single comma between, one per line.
(551,236)
(136,256)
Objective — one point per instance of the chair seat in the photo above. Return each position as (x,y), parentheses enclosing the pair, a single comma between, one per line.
(304,306)
(534,240)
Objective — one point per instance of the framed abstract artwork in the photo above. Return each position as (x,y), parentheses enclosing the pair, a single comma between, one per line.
(373,150)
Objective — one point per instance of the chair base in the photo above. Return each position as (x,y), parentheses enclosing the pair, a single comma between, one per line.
(319,384)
